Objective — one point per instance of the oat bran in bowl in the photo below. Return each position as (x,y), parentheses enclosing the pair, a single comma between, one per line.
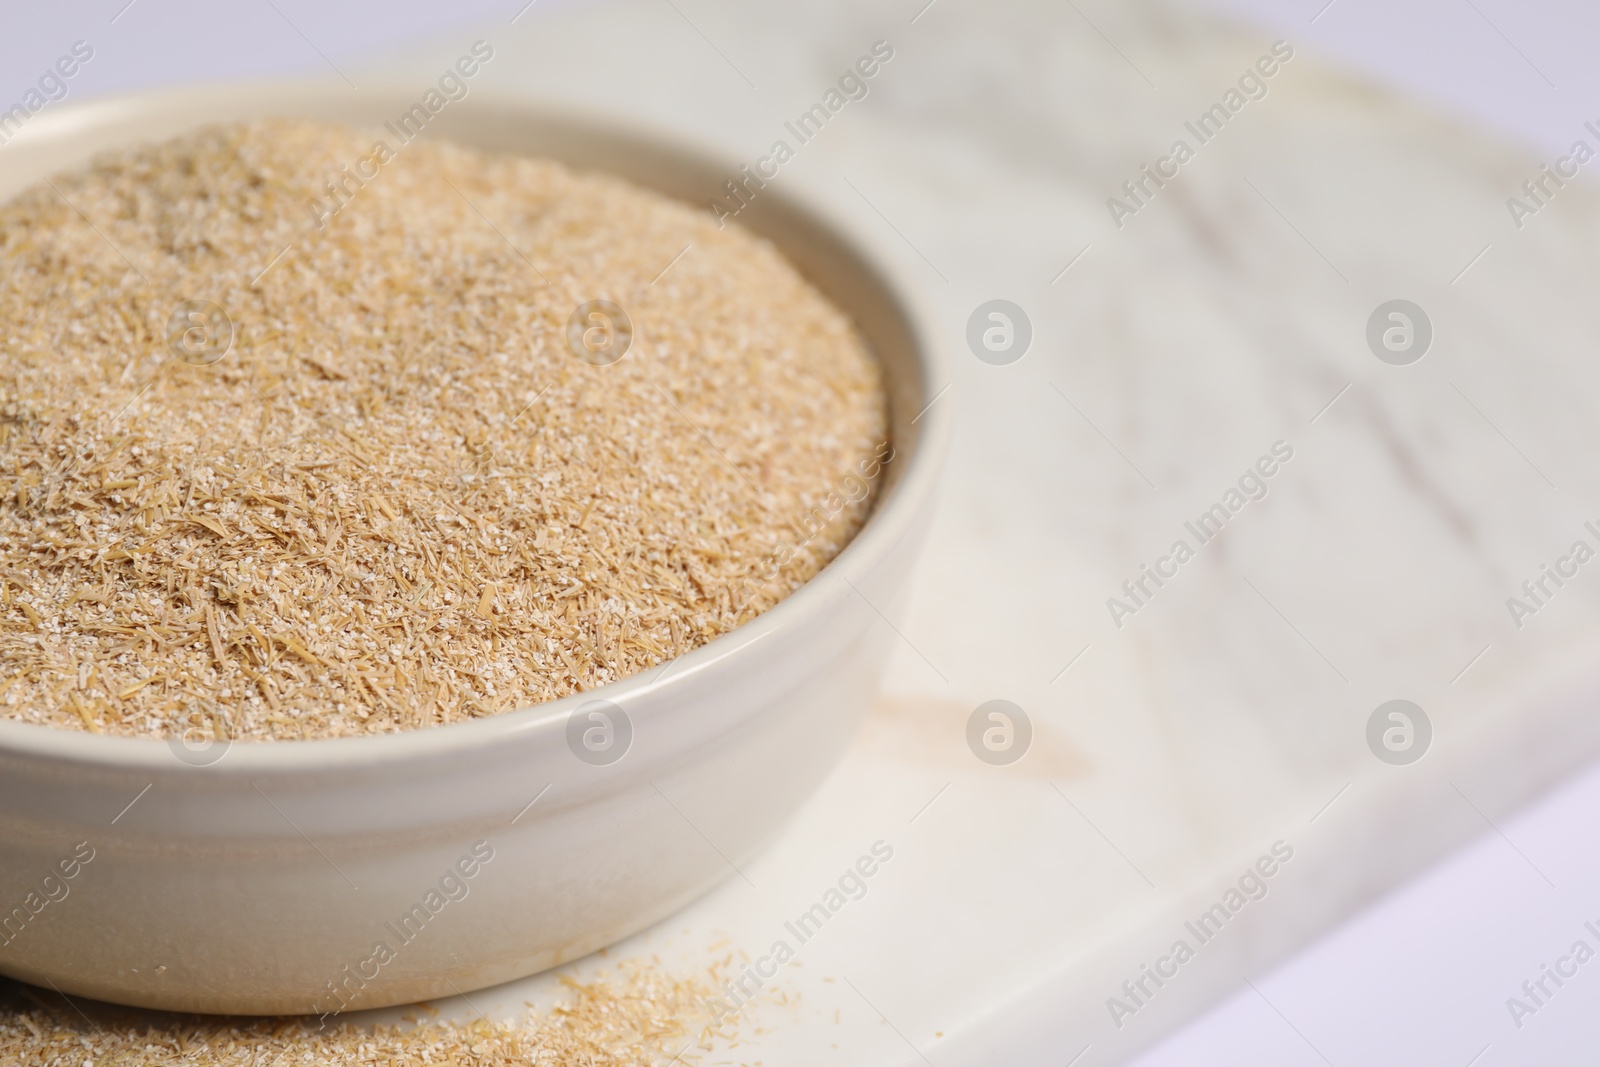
(601,623)
(382,491)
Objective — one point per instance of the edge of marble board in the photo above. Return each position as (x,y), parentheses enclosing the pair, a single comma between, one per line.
(1391,824)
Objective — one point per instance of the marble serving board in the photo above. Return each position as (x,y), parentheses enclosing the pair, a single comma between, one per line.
(1200,743)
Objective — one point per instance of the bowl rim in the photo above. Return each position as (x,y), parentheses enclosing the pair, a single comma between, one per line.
(884,529)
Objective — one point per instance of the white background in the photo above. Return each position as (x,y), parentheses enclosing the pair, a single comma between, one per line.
(1453,944)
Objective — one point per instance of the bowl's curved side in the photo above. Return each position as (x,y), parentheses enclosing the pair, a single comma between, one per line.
(312,895)
(333,875)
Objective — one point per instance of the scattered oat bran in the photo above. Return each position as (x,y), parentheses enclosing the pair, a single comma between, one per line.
(636,1018)
(400,499)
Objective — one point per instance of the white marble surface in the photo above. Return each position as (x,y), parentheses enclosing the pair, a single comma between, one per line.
(1425,975)
(1223,318)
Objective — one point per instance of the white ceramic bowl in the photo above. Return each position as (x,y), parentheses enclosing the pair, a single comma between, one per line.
(264,881)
